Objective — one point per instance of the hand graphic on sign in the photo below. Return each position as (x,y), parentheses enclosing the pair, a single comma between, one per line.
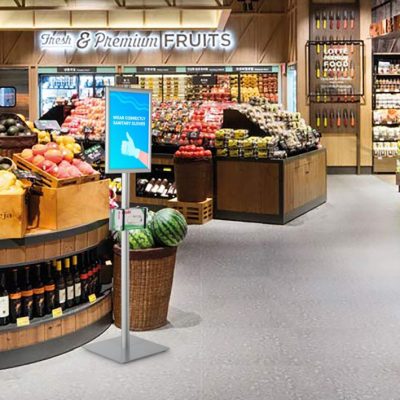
(128,148)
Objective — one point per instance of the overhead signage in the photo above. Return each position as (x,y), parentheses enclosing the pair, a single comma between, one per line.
(205,80)
(156,70)
(132,40)
(74,70)
(128,130)
(126,79)
(267,68)
(204,70)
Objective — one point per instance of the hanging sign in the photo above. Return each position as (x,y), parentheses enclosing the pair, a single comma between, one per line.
(128,130)
(205,80)
(131,40)
(126,79)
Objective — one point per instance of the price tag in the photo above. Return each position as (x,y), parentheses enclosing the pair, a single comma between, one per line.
(23,321)
(57,312)
(93,154)
(92,298)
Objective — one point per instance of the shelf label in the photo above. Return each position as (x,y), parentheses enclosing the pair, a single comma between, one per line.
(57,312)
(23,321)
(92,298)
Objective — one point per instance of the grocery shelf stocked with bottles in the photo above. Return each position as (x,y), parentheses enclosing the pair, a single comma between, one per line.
(386,111)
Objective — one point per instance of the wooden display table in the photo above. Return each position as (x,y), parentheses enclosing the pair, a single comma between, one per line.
(47,336)
(269,191)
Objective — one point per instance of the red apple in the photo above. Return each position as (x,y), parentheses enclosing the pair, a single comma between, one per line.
(38,160)
(27,154)
(53,155)
(39,149)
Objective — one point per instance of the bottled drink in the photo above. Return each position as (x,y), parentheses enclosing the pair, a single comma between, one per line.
(89,274)
(149,186)
(4,301)
(155,188)
(98,271)
(60,287)
(49,290)
(27,295)
(84,280)
(162,187)
(15,297)
(38,295)
(69,283)
(77,280)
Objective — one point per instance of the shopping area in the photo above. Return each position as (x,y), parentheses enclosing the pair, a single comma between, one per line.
(217,178)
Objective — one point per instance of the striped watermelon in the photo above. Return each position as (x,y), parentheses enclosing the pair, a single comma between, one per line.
(141,239)
(169,227)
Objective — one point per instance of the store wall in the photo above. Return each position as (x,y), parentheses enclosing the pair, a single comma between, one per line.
(341,148)
(17,78)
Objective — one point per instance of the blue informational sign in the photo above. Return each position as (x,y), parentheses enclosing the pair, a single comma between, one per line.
(128,130)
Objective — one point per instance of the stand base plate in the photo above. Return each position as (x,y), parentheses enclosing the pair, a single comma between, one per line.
(112,349)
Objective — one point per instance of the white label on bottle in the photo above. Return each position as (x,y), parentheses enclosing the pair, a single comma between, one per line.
(4,307)
(70,292)
(78,289)
(61,296)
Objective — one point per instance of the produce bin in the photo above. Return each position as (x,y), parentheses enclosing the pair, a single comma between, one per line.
(151,275)
(73,205)
(13,216)
(193,179)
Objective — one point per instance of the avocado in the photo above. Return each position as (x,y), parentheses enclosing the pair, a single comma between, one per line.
(9,122)
(2,128)
(12,131)
(20,127)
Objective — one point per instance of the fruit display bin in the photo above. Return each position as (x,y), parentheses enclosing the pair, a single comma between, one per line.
(13,216)
(48,179)
(194,213)
(151,275)
(72,205)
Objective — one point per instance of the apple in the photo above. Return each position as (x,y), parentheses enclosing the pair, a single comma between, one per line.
(27,154)
(38,160)
(53,155)
(67,154)
(53,170)
(39,149)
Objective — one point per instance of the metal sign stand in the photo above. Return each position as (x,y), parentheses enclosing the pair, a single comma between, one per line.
(128,347)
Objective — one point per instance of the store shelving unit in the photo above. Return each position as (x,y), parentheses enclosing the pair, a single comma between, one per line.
(386,111)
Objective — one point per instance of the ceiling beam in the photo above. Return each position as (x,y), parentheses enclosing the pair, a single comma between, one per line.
(219,4)
(20,3)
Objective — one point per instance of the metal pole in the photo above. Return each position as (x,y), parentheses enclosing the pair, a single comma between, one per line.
(125,336)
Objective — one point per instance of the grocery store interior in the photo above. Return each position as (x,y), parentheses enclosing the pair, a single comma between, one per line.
(199,199)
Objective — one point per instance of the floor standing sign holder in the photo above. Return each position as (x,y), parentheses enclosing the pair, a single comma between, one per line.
(128,150)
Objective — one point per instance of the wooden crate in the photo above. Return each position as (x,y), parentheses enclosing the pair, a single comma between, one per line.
(385,164)
(49,180)
(73,205)
(195,213)
(13,216)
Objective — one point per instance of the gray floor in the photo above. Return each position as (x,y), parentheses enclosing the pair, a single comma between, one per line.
(306,311)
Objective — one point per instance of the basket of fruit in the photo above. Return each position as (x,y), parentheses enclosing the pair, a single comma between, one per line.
(193,173)
(152,265)
(15,134)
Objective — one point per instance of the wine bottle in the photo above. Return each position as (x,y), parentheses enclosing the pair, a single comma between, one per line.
(49,290)
(84,280)
(90,273)
(38,294)
(165,193)
(15,297)
(77,280)
(69,284)
(162,186)
(4,301)
(94,273)
(155,188)
(60,287)
(149,186)
(27,296)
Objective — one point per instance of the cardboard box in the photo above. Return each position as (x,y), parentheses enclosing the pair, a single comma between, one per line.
(13,216)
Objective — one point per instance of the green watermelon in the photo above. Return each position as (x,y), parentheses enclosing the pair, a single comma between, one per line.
(169,227)
(150,216)
(141,239)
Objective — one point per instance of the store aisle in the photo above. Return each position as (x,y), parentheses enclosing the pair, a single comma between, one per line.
(306,311)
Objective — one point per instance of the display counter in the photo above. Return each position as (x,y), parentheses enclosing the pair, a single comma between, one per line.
(269,191)
(51,335)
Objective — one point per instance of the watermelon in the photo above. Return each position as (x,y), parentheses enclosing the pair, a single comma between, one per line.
(169,227)
(150,216)
(141,239)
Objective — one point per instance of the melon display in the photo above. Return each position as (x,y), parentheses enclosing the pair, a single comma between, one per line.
(141,239)
(169,227)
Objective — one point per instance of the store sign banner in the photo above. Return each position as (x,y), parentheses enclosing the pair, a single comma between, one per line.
(131,40)
(128,130)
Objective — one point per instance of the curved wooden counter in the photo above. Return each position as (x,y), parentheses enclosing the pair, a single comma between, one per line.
(48,337)
(41,245)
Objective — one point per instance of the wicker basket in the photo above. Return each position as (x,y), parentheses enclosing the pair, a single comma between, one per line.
(151,275)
